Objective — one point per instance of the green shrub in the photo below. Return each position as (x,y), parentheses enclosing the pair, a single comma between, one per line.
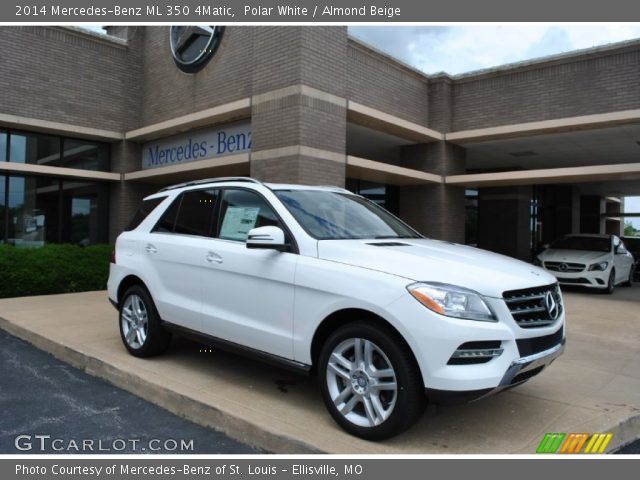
(53,269)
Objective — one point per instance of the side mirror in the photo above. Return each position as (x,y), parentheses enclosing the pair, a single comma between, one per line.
(269,237)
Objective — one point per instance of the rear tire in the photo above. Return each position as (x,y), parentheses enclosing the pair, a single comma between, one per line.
(376,393)
(140,328)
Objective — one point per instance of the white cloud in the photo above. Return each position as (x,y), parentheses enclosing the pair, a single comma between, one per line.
(459,49)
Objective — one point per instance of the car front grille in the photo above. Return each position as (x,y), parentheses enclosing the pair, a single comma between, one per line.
(578,281)
(535,307)
(564,267)
(531,346)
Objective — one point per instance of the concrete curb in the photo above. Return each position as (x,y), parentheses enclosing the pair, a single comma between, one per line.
(181,405)
(624,433)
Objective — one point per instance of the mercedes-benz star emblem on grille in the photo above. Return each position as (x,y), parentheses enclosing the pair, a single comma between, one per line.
(552,306)
(564,267)
(193,46)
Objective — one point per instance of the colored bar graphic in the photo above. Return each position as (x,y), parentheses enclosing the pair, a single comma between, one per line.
(550,443)
(573,443)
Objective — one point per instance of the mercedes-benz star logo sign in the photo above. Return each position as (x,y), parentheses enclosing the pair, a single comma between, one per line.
(564,267)
(193,46)
(552,306)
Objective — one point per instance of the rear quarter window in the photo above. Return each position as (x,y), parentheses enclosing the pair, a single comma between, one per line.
(143,212)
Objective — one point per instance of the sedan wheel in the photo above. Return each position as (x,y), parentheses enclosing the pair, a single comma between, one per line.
(632,274)
(611,283)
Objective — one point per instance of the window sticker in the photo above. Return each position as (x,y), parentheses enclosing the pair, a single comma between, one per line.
(238,221)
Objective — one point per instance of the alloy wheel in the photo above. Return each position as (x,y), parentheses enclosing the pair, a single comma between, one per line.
(361,382)
(135,321)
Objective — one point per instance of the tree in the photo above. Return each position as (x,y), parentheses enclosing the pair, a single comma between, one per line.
(630,230)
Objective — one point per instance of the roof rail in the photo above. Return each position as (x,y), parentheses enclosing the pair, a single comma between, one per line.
(211,180)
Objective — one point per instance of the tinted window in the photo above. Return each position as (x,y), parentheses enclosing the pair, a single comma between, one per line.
(196,213)
(143,212)
(241,211)
(168,218)
(329,215)
(84,155)
(34,148)
(3,146)
(590,244)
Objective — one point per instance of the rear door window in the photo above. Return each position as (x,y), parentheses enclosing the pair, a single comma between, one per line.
(197,213)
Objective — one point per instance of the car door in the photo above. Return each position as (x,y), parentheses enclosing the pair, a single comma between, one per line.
(622,260)
(175,254)
(248,294)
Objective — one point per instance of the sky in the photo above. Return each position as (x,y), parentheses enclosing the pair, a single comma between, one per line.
(463,48)
(458,49)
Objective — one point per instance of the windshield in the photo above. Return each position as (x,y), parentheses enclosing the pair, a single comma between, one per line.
(329,215)
(591,244)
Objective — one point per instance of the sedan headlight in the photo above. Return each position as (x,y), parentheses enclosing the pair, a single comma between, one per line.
(598,267)
(452,301)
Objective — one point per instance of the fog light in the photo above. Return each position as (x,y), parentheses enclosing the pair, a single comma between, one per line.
(494,352)
(471,353)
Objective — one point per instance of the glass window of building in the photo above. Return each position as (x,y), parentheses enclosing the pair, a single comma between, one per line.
(48,210)
(387,196)
(34,148)
(3,211)
(84,155)
(41,149)
(3,146)
(471,217)
(84,217)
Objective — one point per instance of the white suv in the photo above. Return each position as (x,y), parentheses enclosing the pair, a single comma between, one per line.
(326,282)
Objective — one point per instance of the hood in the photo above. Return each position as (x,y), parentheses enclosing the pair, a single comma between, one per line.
(436,261)
(572,256)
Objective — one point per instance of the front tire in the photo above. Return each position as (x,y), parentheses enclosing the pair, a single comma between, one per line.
(611,283)
(370,381)
(632,274)
(140,328)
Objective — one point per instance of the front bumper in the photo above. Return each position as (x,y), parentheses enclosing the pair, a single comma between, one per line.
(434,338)
(518,372)
(585,278)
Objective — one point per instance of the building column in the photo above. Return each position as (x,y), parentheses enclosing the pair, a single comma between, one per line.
(437,211)
(504,216)
(592,209)
(298,113)
(125,197)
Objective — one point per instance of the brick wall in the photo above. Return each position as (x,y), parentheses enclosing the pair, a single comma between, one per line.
(376,81)
(59,75)
(597,82)
(288,56)
(167,92)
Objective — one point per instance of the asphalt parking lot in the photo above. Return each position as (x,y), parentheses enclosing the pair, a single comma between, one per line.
(593,387)
(56,408)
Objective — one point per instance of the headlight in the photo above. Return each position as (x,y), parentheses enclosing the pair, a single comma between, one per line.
(599,267)
(452,301)
(537,262)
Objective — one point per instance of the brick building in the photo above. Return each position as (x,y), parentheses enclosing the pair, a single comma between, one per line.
(505,158)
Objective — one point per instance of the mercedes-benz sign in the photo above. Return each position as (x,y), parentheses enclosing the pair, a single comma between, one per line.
(192,46)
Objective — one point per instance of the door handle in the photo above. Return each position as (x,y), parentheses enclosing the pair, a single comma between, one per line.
(213,257)
(151,249)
